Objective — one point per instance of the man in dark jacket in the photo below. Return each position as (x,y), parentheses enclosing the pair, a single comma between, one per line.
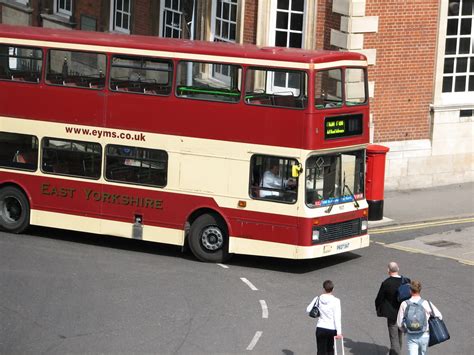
(387,305)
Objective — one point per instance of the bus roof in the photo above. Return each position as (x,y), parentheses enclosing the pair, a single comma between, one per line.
(111,40)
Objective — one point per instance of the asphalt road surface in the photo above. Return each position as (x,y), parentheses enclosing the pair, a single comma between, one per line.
(65,292)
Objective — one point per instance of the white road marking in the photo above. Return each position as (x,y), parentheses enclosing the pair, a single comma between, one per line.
(249,284)
(264,309)
(254,340)
(224,266)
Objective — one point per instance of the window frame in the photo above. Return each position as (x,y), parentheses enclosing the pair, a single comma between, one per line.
(174,12)
(113,17)
(47,68)
(340,198)
(135,183)
(273,29)
(18,165)
(10,56)
(63,11)
(42,163)
(304,89)
(144,58)
(254,190)
(211,79)
(451,96)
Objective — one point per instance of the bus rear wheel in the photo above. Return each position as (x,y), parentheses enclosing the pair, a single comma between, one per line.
(208,239)
(14,210)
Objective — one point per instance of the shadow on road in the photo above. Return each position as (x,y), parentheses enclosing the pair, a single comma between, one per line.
(109,242)
(255,262)
(361,348)
(291,266)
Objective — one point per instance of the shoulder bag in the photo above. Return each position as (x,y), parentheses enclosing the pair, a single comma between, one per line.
(314,313)
(437,328)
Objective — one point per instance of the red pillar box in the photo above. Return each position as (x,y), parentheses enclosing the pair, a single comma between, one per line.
(374,180)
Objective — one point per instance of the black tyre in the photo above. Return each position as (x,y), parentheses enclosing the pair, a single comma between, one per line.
(14,210)
(209,239)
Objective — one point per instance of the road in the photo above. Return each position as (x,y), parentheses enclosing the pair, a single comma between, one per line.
(65,292)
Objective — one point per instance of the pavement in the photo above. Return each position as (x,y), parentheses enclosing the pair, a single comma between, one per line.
(431,207)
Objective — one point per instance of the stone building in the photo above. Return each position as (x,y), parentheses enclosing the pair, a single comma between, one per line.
(421,56)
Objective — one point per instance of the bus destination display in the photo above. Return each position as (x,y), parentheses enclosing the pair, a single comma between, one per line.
(342,126)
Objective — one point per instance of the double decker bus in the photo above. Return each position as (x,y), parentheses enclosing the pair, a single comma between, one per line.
(218,147)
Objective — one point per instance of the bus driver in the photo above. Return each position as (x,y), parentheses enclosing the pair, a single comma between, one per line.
(272,182)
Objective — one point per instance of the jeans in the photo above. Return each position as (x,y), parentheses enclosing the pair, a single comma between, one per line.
(396,337)
(417,344)
(325,341)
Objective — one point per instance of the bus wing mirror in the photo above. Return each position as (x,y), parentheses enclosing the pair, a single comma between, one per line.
(296,170)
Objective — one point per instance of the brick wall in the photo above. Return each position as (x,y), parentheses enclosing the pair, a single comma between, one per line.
(87,8)
(326,20)
(404,69)
(250,22)
(141,19)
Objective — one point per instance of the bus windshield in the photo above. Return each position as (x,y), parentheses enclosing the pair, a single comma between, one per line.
(329,92)
(334,178)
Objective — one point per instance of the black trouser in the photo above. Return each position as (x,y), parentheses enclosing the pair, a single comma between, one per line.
(325,341)
(396,337)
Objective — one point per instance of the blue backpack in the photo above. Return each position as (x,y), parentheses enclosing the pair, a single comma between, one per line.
(404,290)
(414,319)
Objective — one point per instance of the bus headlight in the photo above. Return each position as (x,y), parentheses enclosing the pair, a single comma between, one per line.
(364,225)
(315,235)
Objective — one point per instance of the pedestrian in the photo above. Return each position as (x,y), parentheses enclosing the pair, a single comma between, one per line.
(413,318)
(329,321)
(387,305)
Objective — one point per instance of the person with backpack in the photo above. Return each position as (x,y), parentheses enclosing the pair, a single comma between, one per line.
(388,302)
(413,318)
(329,321)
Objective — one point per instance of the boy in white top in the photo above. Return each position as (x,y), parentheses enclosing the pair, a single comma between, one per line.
(417,344)
(329,321)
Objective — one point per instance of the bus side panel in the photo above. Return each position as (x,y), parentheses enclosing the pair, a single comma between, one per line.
(264,226)
(52,103)
(57,194)
(235,122)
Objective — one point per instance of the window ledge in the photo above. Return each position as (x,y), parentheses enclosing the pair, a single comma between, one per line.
(62,20)
(17,6)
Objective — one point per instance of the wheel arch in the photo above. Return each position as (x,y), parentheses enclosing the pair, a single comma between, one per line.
(19,187)
(198,213)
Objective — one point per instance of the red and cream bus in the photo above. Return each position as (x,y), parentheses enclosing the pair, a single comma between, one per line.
(220,147)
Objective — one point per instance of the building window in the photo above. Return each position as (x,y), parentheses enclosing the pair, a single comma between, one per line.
(224,21)
(224,28)
(172,15)
(286,30)
(287,23)
(458,72)
(24,2)
(63,7)
(121,13)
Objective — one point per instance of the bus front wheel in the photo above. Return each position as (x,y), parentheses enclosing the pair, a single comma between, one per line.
(208,239)
(14,210)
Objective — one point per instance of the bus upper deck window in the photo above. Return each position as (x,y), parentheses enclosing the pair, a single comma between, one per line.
(209,81)
(328,88)
(76,69)
(20,63)
(142,75)
(356,93)
(276,87)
